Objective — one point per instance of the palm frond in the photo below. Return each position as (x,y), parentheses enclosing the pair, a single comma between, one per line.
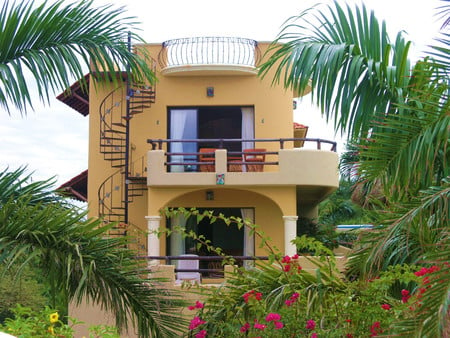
(343,53)
(55,43)
(421,137)
(14,184)
(78,257)
(409,232)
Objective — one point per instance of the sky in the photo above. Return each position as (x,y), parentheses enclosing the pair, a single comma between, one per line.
(52,140)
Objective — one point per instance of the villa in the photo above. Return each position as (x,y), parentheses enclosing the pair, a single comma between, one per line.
(210,135)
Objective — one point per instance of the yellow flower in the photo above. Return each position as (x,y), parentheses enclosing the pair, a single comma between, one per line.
(51,331)
(54,317)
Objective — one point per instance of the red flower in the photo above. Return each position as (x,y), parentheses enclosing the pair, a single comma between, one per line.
(405,295)
(201,334)
(314,335)
(259,326)
(287,267)
(252,294)
(292,299)
(386,306)
(196,322)
(245,327)
(198,305)
(375,329)
(286,259)
(278,325)
(310,324)
(272,317)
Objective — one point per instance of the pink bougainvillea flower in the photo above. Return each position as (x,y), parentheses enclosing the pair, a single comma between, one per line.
(310,324)
(201,334)
(286,259)
(287,268)
(405,295)
(272,316)
(386,306)
(198,305)
(295,256)
(348,320)
(252,294)
(292,299)
(314,335)
(259,326)
(245,327)
(278,325)
(375,329)
(196,322)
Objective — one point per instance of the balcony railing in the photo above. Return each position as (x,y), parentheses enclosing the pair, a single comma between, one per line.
(197,51)
(236,160)
(212,270)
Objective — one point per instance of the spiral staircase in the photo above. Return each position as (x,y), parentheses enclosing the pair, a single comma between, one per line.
(129,180)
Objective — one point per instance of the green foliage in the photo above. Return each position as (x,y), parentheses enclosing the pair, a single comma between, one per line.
(275,301)
(28,323)
(343,53)
(55,43)
(22,289)
(76,256)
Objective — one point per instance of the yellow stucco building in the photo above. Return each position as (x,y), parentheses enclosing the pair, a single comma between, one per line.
(210,134)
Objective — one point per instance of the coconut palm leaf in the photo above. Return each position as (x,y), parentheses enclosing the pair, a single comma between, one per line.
(421,137)
(14,184)
(344,54)
(410,233)
(77,258)
(54,44)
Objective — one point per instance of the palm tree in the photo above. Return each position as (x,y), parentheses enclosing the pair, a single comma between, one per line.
(53,44)
(398,117)
(78,259)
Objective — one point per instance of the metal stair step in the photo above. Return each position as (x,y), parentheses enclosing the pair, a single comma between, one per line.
(115,131)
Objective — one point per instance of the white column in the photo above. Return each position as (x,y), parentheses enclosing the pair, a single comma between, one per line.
(153,223)
(290,232)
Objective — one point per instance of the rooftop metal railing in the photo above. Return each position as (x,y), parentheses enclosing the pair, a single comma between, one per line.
(209,51)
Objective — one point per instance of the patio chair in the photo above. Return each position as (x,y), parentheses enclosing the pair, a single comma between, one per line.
(254,159)
(207,155)
(188,264)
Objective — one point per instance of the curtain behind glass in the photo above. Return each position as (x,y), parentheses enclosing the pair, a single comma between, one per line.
(183,126)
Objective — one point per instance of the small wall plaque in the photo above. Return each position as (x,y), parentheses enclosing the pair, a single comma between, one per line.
(220,179)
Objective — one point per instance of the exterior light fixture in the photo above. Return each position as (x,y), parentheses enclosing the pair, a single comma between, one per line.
(210,195)
(210,91)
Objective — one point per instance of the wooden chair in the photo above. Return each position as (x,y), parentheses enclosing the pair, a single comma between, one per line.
(254,159)
(207,155)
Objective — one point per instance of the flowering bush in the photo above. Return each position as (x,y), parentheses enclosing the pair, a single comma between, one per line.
(30,324)
(283,300)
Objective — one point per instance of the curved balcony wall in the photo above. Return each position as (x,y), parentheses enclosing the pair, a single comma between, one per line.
(209,56)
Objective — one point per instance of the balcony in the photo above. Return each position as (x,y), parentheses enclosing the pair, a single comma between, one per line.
(209,56)
(313,171)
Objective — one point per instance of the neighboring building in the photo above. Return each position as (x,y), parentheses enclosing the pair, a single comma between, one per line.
(151,151)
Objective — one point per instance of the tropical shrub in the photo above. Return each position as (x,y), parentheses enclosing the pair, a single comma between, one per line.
(283,300)
(28,323)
